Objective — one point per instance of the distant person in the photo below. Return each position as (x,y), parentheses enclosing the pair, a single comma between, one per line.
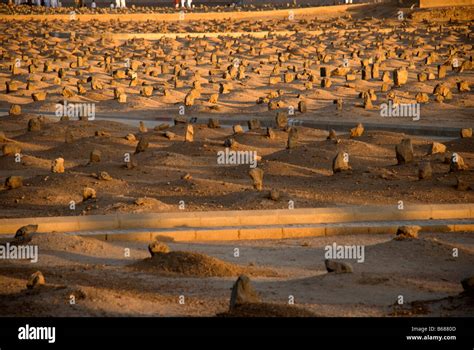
(183,2)
(93,5)
(189,4)
(176,3)
(112,6)
(120,4)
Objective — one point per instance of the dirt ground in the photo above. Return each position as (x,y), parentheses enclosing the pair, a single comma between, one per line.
(106,283)
(302,174)
(230,79)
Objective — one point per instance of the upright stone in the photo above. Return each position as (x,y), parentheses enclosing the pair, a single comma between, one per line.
(257,176)
(425,171)
(441,71)
(142,145)
(243,293)
(254,124)
(34,124)
(13,182)
(400,76)
(14,110)
(341,162)
(281,120)
(95,156)
(57,166)
(292,138)
(357,131)
(189,137)
(302,107)
(404,151)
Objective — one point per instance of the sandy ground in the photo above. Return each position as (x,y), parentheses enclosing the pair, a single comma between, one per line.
(103,282)
(302,174)
(320,42)
(170,172)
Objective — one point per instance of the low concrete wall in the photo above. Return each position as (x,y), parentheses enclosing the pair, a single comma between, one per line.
(198,3)
(192,16)
(273,232)
(244,218)
(445,3)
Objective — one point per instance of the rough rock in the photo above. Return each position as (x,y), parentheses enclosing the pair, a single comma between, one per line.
(292,138)
(103,175)
(57,165)
(340,162)
(189,137)
(130,137)
(213,123)
(404,151)
(407,232)
(437,147)
(466,133)
(237,129)
(14,110)
(357,131)
(88,193)
(463,86)
(332,135)
(425,171)
(270,133)
(142,128)
(400,76)
(274,195)
(36,280)
(142,145)
(25,234)
(281,120)
(34,124)
(468,285)
(158,248)
(95,156)
(422,97)
(13,182)
(11,149)
(337,266)
(457,163)
(243,293)
(170,135)
(254,124)
(257,176)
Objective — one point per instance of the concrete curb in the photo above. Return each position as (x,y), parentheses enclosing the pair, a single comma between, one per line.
(265,232)
(243,219)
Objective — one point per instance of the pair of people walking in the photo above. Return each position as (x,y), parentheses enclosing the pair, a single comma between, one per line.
(184,3)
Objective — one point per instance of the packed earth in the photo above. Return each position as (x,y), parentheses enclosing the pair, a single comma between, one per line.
(362,106)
